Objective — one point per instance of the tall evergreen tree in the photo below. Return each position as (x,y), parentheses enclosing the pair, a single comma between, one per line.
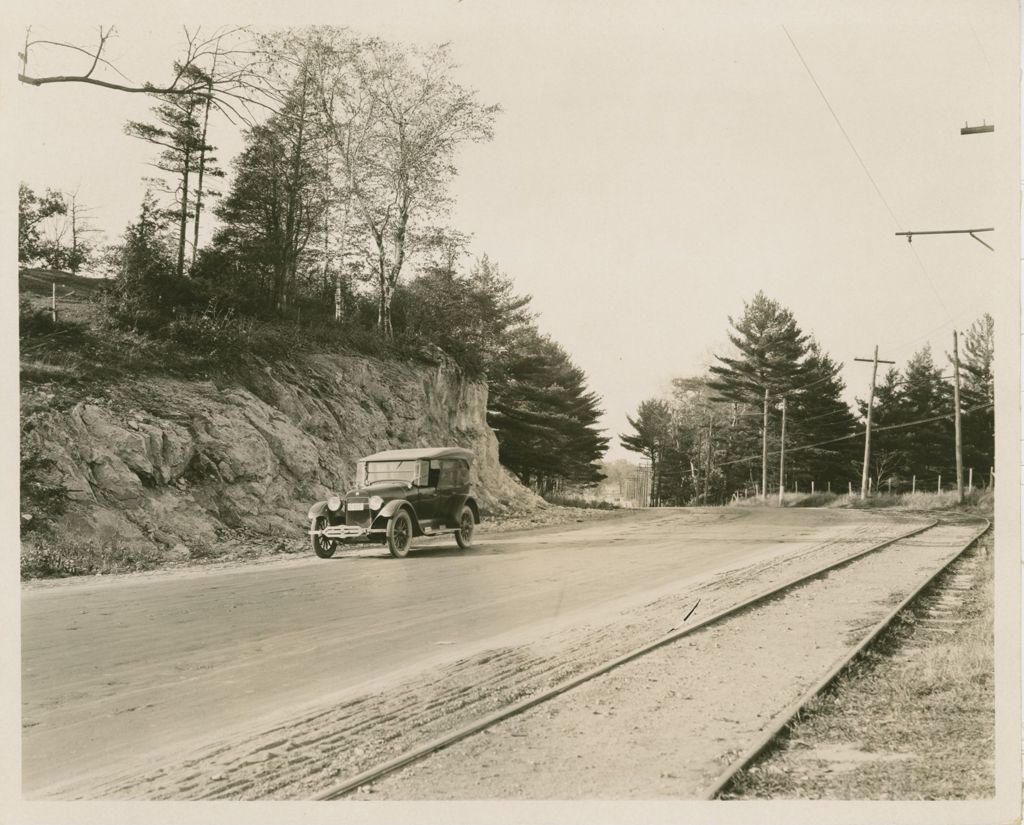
(180,134)
(543,414)
(771,354)
(771,351)
(652,437)
(817,415)
(274,209)
(977,373)
(914,446)
(927,394)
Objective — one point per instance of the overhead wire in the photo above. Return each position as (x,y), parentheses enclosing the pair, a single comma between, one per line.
(864,166)
(847,437)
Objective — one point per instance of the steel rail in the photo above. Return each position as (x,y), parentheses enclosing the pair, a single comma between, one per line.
(341,789)
(782,721)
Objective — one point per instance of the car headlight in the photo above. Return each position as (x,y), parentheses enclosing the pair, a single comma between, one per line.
(334,503)
(376,502)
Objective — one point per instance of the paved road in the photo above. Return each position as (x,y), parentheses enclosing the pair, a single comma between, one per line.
(116,670)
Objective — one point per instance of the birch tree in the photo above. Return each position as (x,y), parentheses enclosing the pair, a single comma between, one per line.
(396,118)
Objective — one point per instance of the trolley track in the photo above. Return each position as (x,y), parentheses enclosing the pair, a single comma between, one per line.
(785,719)
(425,750)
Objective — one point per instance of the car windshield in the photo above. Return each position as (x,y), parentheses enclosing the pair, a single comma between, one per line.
(407,471)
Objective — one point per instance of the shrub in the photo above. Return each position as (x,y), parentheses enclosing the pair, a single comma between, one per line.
(815,500)
(212,332)
(568,500)
(59,557)
(33,321)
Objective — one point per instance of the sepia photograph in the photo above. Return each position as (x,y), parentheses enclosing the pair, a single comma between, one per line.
(465,410)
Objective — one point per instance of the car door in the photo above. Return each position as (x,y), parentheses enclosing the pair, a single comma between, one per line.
(424,496)
(447,487)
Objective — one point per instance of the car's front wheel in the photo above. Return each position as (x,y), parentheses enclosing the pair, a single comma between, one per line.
(324,548)
(399,534)
(464,535)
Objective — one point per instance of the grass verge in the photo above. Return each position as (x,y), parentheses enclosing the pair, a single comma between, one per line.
(976,501)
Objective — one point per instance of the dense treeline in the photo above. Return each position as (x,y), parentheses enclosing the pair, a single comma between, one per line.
(705,442)
(912,432)
(334,220)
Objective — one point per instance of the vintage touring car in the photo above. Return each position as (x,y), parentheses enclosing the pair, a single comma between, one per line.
(399,495)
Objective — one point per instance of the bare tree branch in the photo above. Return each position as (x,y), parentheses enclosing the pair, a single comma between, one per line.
(237,80)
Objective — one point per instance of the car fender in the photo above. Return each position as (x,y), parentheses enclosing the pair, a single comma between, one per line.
(458,502)
(393,506)
(317,510)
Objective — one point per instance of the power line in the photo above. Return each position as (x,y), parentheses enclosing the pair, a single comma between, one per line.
(844,411)
(864,166)
(855,435)
(842,129)
(930,332)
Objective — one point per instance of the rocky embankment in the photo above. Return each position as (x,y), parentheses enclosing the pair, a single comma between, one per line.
(173,463)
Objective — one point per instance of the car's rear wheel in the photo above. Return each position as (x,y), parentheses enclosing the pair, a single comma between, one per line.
(399,534)
(464,535)
(324,548)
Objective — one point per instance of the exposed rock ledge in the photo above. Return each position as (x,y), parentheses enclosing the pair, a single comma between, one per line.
(165,461)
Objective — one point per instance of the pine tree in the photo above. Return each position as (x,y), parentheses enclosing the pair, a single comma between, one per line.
(543,415)
(771,359)
(977,372)
(817,415)
(653,438)
(180,133)
(927,394)
(771,351)
(274,210)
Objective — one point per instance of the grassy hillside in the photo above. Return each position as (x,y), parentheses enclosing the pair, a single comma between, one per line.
(86,346)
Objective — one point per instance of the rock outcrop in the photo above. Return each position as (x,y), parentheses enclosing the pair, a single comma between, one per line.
(167,461)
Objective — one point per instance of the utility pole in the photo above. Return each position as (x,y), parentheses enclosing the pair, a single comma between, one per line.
(867,430)
(764,450)
(782,453)
(707,468)
(956,422)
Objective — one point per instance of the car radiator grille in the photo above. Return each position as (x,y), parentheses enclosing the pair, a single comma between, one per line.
(359,519)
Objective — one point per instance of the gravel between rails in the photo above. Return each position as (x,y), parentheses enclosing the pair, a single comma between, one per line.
(664,726)
(296,757)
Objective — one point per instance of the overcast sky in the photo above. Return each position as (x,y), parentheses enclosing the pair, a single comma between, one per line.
(657,163)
